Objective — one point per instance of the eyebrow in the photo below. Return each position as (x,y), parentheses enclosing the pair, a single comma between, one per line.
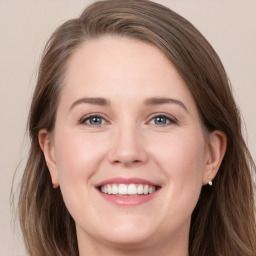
(160,101)
(148,102)
(93,101)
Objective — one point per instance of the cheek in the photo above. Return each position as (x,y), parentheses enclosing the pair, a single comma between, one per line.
(77,157)
(182,158)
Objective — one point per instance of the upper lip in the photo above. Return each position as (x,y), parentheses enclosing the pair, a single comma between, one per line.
(123,180)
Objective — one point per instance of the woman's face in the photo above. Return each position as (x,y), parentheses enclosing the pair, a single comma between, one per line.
(128,149)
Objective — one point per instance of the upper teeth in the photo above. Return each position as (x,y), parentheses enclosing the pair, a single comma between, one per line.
(127,189)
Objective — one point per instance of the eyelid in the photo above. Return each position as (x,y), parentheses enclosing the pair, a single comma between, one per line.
(87,116)
(171,118)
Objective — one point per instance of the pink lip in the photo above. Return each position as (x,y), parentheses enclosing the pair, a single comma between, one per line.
(122,180)
(127,200)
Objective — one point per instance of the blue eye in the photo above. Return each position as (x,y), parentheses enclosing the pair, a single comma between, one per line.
(162,120)
(93,120)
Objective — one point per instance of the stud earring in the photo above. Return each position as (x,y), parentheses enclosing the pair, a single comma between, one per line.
(210,182)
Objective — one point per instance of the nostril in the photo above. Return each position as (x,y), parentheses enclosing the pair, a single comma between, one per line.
(116,162)
(136,161)
(127,163)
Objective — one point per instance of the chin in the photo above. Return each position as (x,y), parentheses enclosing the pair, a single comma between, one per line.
(135,238)
(130,232)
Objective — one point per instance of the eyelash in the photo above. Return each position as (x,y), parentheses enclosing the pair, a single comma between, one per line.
(170,119)
(90,116)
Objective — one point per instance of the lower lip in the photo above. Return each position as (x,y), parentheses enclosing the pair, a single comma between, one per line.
(128,200)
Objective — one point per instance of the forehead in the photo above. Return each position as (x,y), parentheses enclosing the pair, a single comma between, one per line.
(121,67)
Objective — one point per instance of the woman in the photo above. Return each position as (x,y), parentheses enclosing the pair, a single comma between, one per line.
(136,144)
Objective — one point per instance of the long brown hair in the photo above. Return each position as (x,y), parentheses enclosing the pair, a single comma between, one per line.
(223,222)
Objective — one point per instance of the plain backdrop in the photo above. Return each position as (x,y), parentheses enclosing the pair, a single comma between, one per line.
(229,25)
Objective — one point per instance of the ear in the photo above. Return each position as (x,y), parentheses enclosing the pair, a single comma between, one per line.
(217,144)
(49,155)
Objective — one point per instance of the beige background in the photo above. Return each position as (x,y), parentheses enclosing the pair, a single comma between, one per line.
(229,25)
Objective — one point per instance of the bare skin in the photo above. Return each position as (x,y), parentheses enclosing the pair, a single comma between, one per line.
(125,112)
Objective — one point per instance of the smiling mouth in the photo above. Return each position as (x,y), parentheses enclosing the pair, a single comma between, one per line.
(128,190)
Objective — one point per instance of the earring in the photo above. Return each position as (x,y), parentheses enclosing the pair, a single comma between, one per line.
(210,182)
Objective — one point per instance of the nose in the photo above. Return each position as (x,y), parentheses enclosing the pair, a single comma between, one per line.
(128,148)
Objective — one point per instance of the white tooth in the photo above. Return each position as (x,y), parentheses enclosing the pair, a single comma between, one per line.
(122,189)
(109,189)
(140,189)
(132,189)
(145,189)
(114,189)
(151,190)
